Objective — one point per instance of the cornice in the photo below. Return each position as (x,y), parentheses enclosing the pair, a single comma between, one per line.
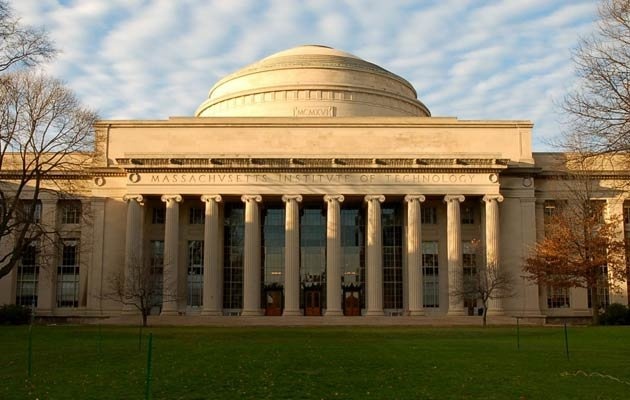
(299,122)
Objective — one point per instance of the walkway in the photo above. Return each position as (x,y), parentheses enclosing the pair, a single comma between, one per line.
(189,320)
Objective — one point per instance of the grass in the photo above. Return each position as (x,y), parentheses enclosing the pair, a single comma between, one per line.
(78,362)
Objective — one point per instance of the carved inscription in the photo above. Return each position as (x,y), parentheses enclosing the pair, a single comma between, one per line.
(309,179)
(314,111)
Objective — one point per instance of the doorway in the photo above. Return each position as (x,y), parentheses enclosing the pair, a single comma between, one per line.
(312,302)
(351,303)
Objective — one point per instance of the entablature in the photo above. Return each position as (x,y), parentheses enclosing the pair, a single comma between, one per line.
(252,163)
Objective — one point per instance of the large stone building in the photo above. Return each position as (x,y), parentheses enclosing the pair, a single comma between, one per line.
(311,182)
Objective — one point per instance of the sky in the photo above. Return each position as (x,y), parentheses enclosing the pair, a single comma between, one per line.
(470,59)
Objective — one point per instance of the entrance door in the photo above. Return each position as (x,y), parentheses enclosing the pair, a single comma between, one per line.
(274,302)
(351,304)
(312,303)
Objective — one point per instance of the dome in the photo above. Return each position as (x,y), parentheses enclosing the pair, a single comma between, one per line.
(312,81)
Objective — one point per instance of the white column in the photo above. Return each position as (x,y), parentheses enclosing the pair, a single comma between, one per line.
(251,261)
(374,259)
(292,255)
(133,240)
(212,268)
(495,306)
(414,254)
(333,255)
(170,295)
(454,244)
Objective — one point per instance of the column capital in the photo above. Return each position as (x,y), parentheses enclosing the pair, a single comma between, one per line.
(211,197)
(454,197)
(251,197)
(415,197)
(492,197)
(136,197)
(371,197)
(334,197)
(288,197)
(172,197)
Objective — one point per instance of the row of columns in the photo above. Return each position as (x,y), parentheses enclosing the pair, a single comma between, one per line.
(213,271)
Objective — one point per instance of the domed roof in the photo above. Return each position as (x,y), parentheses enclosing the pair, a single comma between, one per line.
(308,81)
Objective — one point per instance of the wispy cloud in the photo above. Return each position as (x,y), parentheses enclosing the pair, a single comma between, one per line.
(149,59)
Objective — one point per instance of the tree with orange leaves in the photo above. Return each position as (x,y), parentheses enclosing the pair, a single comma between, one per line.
(582,248)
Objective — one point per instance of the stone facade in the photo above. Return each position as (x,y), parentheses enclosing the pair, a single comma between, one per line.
(339,191)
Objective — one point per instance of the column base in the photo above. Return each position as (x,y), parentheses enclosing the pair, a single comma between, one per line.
(374,313)
(167,313)
(495,313)
(130,311)
(456,313)
(333,313)
(211,313)
(292,313)
(251,313)
(416,313)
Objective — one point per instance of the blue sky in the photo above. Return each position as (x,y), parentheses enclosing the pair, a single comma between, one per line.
(151,59)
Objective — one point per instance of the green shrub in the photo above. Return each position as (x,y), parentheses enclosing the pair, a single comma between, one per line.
(615,314)
(13,314)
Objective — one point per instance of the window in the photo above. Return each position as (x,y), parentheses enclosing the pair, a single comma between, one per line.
(32,211)
(68,275)
(596,209)
(468,214)
(233,238)
(469,257)
(353,250)
(550,210)
(430,275)
(313,250)
(196,216)
(469,261)
(27,277)
(156,259)
(603,294)
(195,273)
(158,215)
(70,212)
(156,253)
(392,226)
(558,297)
(428,215)
(273,247)
(626,214)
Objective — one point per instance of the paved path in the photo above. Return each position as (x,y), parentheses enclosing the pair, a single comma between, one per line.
(188,320)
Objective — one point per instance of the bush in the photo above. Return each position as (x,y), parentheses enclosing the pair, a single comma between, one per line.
(615,314)
(13,314)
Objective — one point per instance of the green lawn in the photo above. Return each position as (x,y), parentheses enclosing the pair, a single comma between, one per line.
(76,362)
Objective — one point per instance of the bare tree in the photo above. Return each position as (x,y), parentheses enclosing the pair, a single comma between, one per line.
(485,282)
(19,44)
(599,107)
(46,141)
(139,286)
(46,137)
(583,246)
